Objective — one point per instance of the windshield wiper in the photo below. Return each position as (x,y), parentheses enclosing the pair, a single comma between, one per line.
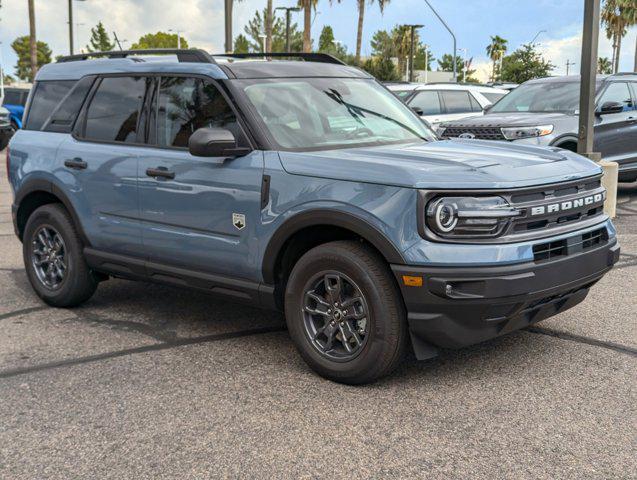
(356,111)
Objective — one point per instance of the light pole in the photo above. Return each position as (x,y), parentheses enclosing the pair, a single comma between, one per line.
(288,11)
(71,24)
(263,36)
(455,73)
(569,64)
(412,40)
(536,35)
(178,32)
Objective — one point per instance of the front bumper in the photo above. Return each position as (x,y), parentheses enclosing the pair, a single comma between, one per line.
(457,306)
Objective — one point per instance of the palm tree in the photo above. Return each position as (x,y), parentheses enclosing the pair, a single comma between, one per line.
(269,20)
(307,6)
(604,66)
(361,17)
(496,50)
(33,45)
(228,4)
(617,16)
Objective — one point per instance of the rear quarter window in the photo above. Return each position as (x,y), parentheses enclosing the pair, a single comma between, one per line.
(46,98)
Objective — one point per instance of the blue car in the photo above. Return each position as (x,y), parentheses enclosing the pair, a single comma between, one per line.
(299,184)
(15,100)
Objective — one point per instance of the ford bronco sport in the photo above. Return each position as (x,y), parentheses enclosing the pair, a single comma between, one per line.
(301,185)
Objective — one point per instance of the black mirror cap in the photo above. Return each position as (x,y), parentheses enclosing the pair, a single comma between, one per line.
(611,107)
(214,142)
(418,111)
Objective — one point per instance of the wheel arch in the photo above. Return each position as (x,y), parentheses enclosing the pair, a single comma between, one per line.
(338,223)
(37,192)
(565,141)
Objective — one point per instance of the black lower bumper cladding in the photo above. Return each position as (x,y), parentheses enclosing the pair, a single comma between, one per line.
(457,307)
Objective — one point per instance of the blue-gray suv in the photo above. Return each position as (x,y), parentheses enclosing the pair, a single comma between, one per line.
(300,185)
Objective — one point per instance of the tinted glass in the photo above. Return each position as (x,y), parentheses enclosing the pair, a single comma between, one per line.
(187,104)
(475,105)
(541,97)
(305,113)
(46,98)
(14,97)
(428,101)
(114,110)
(456,102)
(402,94)
(617,92)
(63,118)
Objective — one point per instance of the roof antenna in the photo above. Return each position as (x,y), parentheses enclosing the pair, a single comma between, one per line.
(117,40)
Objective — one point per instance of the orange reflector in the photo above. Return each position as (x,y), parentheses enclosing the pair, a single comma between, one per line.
(412,281)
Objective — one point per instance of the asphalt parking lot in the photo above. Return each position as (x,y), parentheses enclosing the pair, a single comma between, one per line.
(146,381)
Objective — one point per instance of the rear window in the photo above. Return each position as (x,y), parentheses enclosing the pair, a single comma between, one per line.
(63,117)
(15,97)
(46,98)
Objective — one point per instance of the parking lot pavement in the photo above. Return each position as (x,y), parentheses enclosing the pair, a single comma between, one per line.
(146,381)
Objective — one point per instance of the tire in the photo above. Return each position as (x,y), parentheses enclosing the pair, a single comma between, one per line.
(77,284)
(365,276)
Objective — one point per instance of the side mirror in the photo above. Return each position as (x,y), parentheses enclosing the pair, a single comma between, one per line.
(215,142)
(611,107)
(418,111)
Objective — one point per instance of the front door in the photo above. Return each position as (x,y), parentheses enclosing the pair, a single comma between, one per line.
(616,133)
(198,213)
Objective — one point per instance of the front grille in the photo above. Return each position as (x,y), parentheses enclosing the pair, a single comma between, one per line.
(481,133)
(543,252)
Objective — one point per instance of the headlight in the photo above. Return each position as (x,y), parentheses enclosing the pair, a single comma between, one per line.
(515,133)
(469,217)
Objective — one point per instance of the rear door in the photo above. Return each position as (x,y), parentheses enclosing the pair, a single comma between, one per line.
(616,133)
(99,164)
(198,213)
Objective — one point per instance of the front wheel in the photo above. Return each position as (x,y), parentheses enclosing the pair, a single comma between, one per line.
(345,314)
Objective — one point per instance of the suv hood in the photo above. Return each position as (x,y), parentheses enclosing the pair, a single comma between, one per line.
(512,119)
(451,164)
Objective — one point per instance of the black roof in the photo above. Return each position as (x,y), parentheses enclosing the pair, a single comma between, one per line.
(290,69)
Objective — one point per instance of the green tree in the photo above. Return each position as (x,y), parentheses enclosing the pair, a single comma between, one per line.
(445,64)
(496,50)
(423,57)
(307,6)
(326,40)
(255,28)
(158,40)
(382,68)
(22,48)
(241,44)
(100,41)
(604,66)
(617,17)
(524,64)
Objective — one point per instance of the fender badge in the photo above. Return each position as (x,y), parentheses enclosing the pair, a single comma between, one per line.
(239,220)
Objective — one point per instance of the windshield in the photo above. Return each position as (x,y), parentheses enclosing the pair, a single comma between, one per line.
(542,97)
(315,113)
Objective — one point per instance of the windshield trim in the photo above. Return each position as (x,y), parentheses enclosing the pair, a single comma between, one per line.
(267,140)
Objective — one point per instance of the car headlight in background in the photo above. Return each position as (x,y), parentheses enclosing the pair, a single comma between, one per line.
(516,133)
(469,217)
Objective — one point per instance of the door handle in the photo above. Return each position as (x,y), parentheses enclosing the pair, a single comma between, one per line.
(160,172)
(75,163)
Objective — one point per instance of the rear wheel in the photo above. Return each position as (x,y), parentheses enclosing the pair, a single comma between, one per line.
(54,260)
(345,314)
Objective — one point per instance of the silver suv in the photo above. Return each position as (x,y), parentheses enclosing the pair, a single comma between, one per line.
(545,111)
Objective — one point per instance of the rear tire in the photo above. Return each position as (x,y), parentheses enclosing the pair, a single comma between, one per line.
(368,328)
(53,258)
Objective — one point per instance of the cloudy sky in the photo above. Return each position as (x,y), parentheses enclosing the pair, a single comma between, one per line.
(202,24)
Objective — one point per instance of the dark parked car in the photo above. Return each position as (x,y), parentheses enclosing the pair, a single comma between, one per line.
(545,112)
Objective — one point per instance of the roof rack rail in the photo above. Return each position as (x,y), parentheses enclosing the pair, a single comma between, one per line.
(310,57)
(621,74)
(183,55)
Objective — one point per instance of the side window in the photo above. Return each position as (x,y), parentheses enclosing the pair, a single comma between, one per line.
(114,110)
(475,105)
(428,101)
(13,97)
(187,104)
(63,117)
(456,101)
(46,98)
(618,92)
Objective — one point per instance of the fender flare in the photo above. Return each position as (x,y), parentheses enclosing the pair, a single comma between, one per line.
(330,217)
(41,185)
